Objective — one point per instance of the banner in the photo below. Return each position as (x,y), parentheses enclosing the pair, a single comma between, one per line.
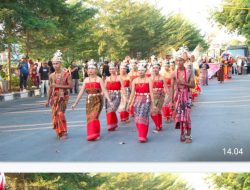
(213,68)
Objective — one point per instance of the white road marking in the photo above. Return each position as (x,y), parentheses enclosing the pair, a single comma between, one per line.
(43,128)
(39,111)
(38,124)
(227,101)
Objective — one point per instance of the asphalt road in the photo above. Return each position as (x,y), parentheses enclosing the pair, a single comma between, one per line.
(220,120)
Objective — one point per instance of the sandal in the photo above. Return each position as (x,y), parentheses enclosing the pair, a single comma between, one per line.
(63,136)
(183,138)
(177,126)
(188,139)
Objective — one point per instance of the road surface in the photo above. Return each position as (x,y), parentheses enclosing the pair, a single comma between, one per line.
(220,120)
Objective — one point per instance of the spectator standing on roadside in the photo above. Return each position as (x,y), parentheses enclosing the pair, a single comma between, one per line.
(44,77)
(75,77)
(105,70)
(24,72)
(51,68)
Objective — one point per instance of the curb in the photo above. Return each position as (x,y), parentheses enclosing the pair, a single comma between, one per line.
(19,95)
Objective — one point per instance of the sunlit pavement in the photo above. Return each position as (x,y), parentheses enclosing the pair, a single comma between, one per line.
(220,119)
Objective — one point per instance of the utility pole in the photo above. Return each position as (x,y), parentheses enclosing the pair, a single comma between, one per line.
(9,66)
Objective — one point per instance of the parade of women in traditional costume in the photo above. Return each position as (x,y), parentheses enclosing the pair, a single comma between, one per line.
(59,82)
(168,93)
(94,87)
(142,98)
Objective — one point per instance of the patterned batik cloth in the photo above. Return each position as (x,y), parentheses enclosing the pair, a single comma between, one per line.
(115,96)
(123,108)
(58,102)
(166,107)
(182,106)
(141,110)
(158,93)
(94,104)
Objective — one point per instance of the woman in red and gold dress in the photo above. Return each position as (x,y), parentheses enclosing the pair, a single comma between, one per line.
(166,108)
(133,74)
(124,114)
(94,86)
(159,90)
(142,98)
(114,87)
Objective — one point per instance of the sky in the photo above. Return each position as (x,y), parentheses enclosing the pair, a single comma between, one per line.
(195,10)
(198,12)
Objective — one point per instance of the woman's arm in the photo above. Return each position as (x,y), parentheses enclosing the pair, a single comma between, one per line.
(131,99)
(123,91)
(50,90)
(151,91)
(172,88)
(79,96)
(104,90)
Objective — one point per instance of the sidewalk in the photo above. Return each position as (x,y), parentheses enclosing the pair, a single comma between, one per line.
(19,95)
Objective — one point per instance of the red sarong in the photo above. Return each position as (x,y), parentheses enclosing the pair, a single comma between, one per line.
(142,131)
(131,111)
(112,121)
(124,115)
(167,112)
(93,130)
(157,119)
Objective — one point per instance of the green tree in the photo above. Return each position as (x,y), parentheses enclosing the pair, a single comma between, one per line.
(125,27)
(179,32)
(231,181)
(55,181)
(235,16)
(146,181)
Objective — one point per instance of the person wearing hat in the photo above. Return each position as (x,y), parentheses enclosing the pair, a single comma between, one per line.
(24,72)
(124,114)
(59,83)
(114,86)
(182,82)
(159,90)
(142,98)
(95,88)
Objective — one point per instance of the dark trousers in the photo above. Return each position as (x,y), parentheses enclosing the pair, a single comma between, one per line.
(23,81)
(75,84)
